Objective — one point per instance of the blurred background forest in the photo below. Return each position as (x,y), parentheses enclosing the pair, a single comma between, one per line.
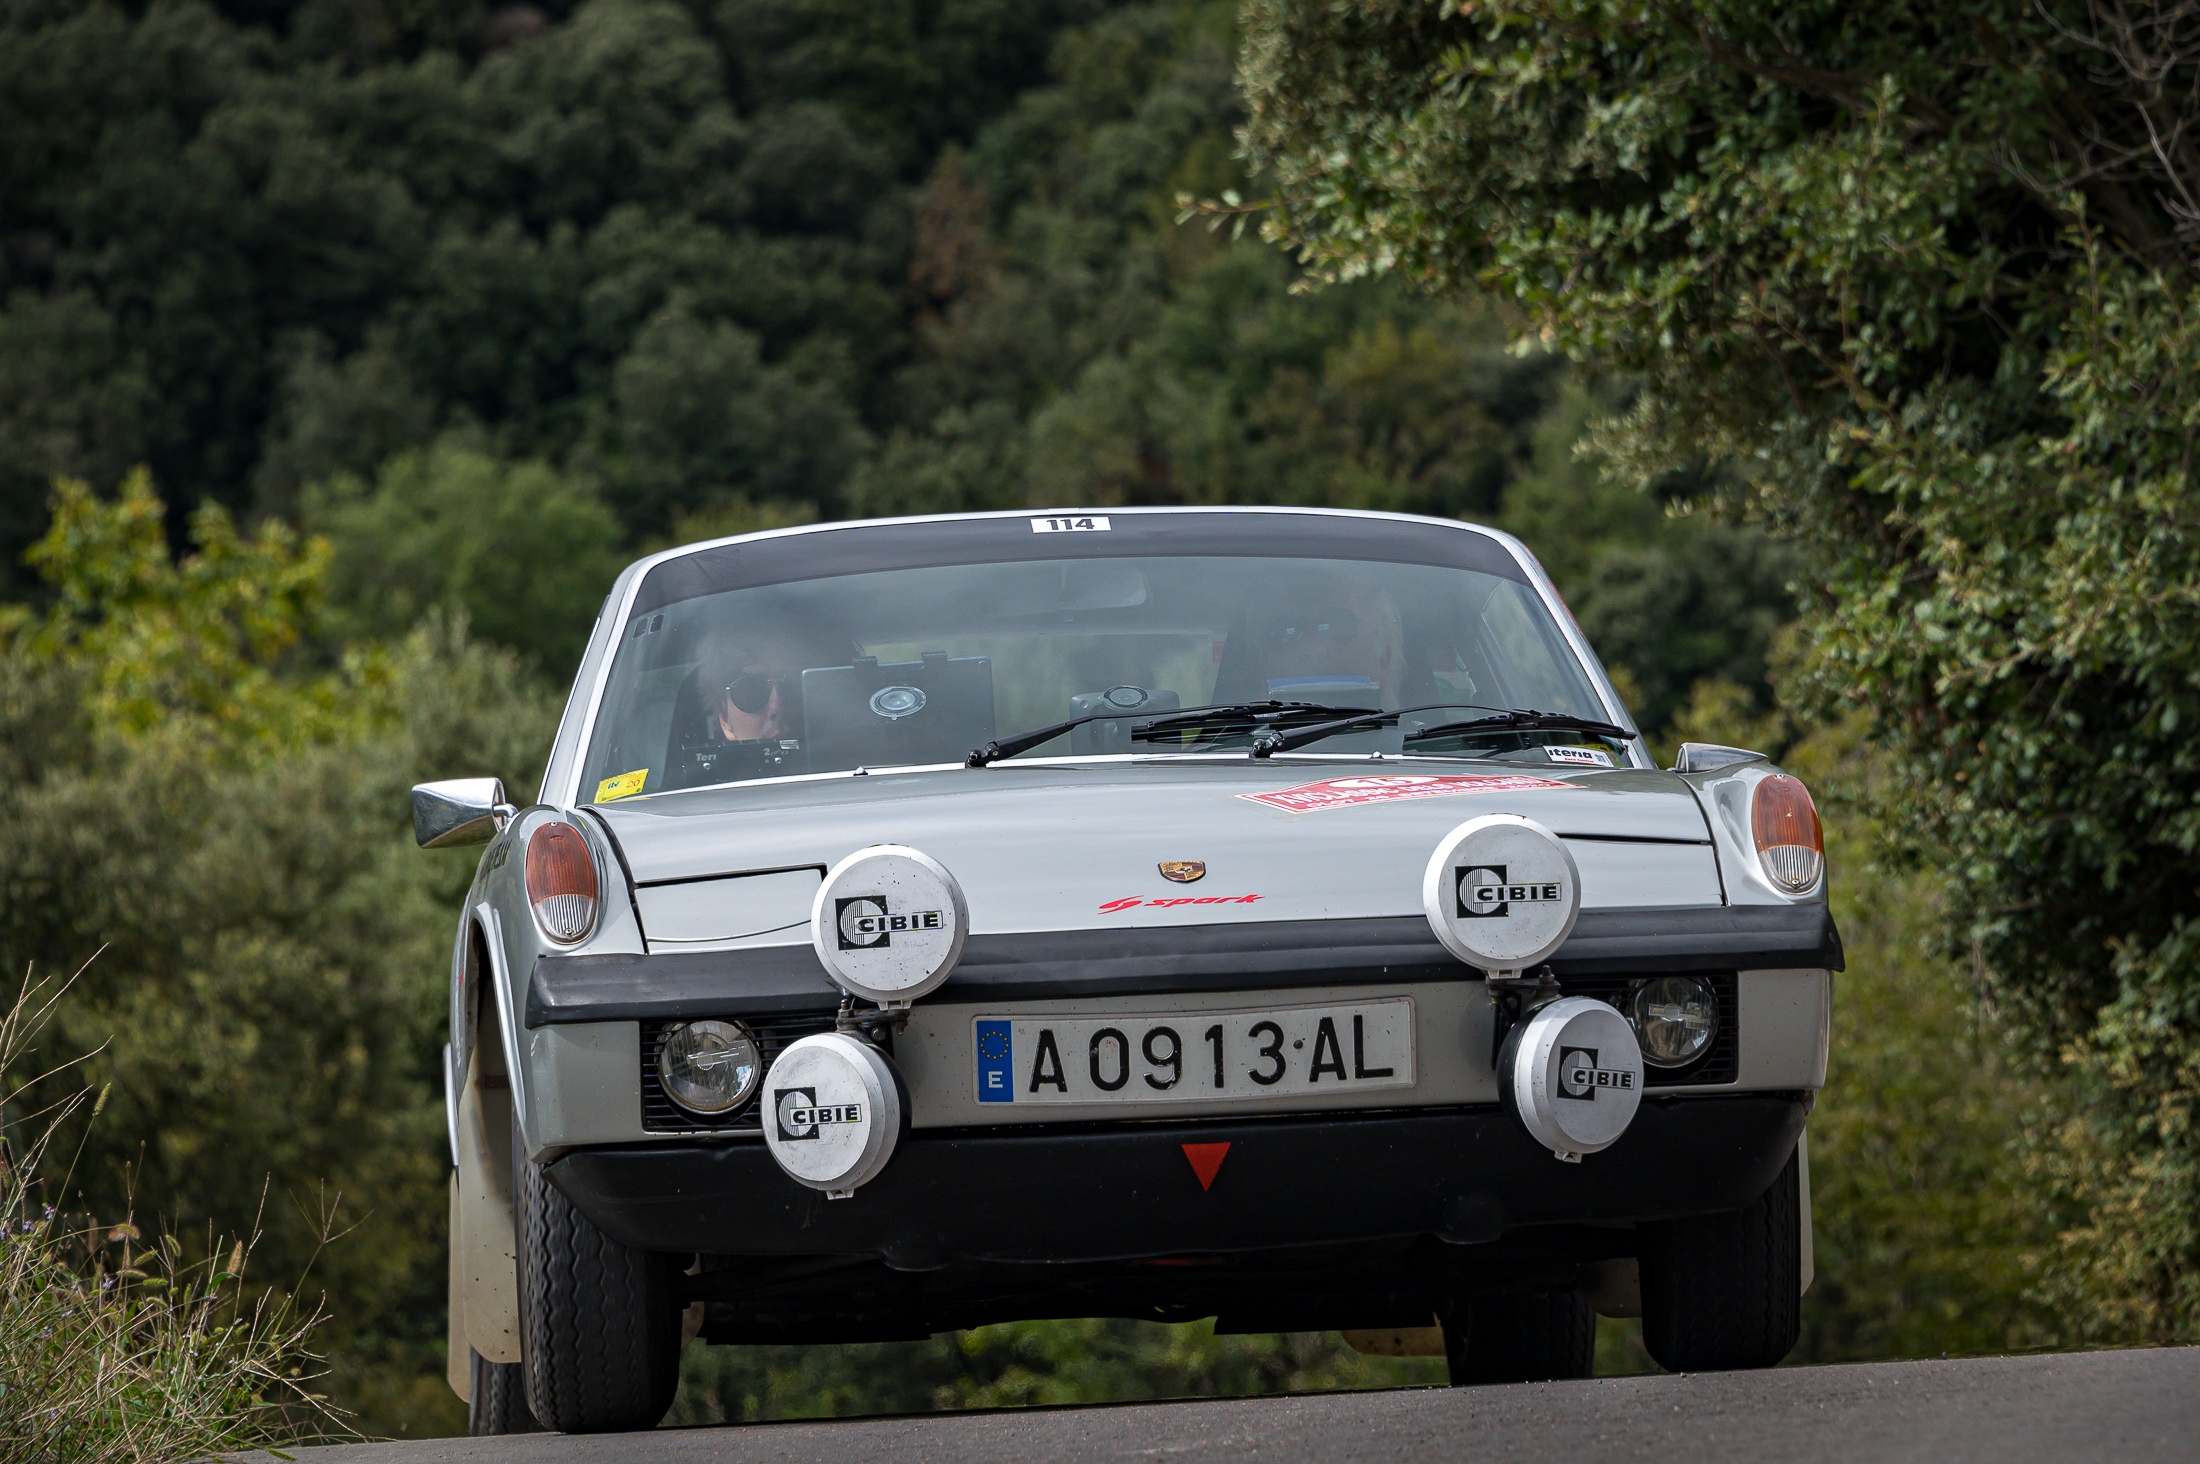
(347,349)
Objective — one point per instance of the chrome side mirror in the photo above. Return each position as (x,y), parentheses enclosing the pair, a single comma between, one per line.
(1702,757)
(459,811)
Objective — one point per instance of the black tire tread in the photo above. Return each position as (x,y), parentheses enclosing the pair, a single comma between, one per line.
(1723,1292)
(598,1335)
(497,1399)
(1520,1337)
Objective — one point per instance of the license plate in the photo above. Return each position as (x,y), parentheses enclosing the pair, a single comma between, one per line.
(1181,1057)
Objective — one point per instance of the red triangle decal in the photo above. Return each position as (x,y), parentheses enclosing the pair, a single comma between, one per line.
(1206,1159)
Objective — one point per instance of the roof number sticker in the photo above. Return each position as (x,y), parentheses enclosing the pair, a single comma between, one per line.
(1079,524)
(1394,788)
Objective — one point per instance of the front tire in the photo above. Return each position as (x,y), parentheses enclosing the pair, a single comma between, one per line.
(1721,1292)
(496,1403)
(1520,1337)
(599,1339)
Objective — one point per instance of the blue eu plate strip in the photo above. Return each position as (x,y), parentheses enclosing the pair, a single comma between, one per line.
(996,1063)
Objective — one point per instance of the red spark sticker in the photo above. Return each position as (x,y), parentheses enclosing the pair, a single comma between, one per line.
(1129,902)
(1392,788)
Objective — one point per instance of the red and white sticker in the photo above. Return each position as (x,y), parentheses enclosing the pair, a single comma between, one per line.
(1131,902)
(1393,788)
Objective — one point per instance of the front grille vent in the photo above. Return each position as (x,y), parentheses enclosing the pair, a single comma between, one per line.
(660,1115)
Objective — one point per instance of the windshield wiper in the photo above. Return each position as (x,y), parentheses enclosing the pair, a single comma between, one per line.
(1233,712)
(1506,719)
(1276,740)
(1002,747)
(1172,720)
(1529,721)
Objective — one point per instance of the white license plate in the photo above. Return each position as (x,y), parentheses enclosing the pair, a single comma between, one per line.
(1180,1057)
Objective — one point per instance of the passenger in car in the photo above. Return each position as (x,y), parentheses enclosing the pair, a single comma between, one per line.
(1320,637)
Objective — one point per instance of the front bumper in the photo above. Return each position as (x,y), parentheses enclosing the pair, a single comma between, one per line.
(1266,956)
(1115,1192)
(587,1022)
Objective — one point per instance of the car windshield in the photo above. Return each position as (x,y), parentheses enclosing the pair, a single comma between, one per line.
(921,664)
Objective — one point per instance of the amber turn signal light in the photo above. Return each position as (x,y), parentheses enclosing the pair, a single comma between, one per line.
(561,881)
(1790,844)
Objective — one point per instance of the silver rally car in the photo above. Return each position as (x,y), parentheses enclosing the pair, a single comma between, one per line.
(1269,915)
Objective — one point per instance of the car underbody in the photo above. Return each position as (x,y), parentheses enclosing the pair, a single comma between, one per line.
(1304,1224)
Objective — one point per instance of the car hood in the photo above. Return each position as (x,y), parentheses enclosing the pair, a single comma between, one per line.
(1073,846)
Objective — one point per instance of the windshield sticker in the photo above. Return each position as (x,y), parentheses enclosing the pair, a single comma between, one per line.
(1082,523)
(1392,788)
(1127,902)
(626,785)
(1588,757)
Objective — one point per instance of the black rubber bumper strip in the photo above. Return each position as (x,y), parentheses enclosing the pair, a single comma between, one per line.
(1257,956)
(1046,1194)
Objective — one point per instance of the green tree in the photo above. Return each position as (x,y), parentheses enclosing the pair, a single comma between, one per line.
(702,418)
(267,1001)
(1924,1142)
(1672,597)
(197,649)
(1915,286)
(813,258)
(523,553)
(257,244)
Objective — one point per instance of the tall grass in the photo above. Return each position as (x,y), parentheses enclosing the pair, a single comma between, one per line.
(115,1346)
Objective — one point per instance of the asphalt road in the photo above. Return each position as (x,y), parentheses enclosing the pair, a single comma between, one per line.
(2123,1406)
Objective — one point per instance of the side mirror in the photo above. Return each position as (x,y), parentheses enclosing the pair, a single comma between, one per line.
(459,811)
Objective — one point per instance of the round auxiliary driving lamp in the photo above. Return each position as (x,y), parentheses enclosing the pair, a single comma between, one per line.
(888,925)
(1502,893)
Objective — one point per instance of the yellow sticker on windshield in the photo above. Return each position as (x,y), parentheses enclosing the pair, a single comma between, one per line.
(626,785)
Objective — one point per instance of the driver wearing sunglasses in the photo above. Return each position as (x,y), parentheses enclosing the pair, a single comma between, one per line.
(760,701)
(749,681)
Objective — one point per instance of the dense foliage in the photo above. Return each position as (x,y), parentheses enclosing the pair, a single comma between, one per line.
(1913,283)
(228,830)
(1928,1219)
(493,297)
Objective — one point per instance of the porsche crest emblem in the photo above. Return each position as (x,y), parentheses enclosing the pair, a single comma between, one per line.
(1183,871)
